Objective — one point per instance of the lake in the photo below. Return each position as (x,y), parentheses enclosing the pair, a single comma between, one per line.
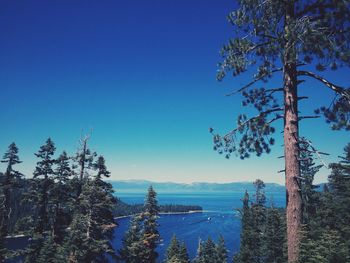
(220,218)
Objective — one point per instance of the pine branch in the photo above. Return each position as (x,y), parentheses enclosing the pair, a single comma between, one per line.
(273,90)
(316,5)
(254,81)
(308,117)
(303,98)
(261,114)
(313,150)
(340,90)
(278,117)
(261,78)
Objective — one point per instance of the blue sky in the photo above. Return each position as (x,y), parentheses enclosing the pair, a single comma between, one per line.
(141,75)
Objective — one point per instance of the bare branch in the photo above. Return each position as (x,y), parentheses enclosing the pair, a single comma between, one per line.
(261,78)
(303,98)
(254,81)
(278,117)
(340,90)
(314,150)
(274,90)
(261,114)
(308,117)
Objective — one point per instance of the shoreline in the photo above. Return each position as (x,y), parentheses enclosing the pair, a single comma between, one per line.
(169,213)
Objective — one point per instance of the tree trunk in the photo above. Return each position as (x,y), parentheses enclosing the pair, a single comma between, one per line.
(291,137)
(291,153)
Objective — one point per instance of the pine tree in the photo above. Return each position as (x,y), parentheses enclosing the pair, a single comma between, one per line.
(173,250)
(275,237)
(247,245)
(84,164)
(183,254)
(327,248)
(90,230)
(200,253)
(48,252)
(282,37)
(40,194)
(258,217)
(325,237)
(209,252)
(9,181)
(132,242)
(150,234)
(61,198)
(221,251)
(140,242)
(176,252)
(308,170)
(338,198)
(43,184)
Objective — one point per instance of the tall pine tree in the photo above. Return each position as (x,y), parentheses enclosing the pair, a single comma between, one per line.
(173,250)
(151,235)
(176,252)
(61,198)
(9,181)
(275,237)
(43,179)
(132,245)
(247,242)
(287,37)
(92,226)
(221,251)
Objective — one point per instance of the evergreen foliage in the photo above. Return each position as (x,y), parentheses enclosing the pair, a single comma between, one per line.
(43,181)
(141,240)
(325,232)
(275,237)
(247,242)
(209,252)
(68,219)
(132,245)
(150,233)
(290,38)
(93,223)
(263,232)
(173,249)
(61,198)
(183,254)
(325,236)
(176,252)
(9,181)
(124,209)
(221,251)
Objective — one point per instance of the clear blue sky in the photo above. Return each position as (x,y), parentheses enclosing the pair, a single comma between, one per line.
(141,74)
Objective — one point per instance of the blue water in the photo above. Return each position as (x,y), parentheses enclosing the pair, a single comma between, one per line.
(220,218)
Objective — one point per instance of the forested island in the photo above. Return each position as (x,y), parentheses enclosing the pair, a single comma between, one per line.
(124,209)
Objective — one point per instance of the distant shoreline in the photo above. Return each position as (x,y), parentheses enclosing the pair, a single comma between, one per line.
(168,213)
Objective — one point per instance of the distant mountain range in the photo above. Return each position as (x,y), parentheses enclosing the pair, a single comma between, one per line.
(135,186)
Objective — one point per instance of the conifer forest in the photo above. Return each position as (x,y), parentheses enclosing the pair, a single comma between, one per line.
(271,185)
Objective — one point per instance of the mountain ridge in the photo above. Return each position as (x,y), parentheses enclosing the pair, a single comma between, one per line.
(142,185)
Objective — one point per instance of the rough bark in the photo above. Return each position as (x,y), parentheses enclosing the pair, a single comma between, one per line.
(291,149)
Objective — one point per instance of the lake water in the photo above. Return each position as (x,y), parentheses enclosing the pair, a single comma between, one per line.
(220,218)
